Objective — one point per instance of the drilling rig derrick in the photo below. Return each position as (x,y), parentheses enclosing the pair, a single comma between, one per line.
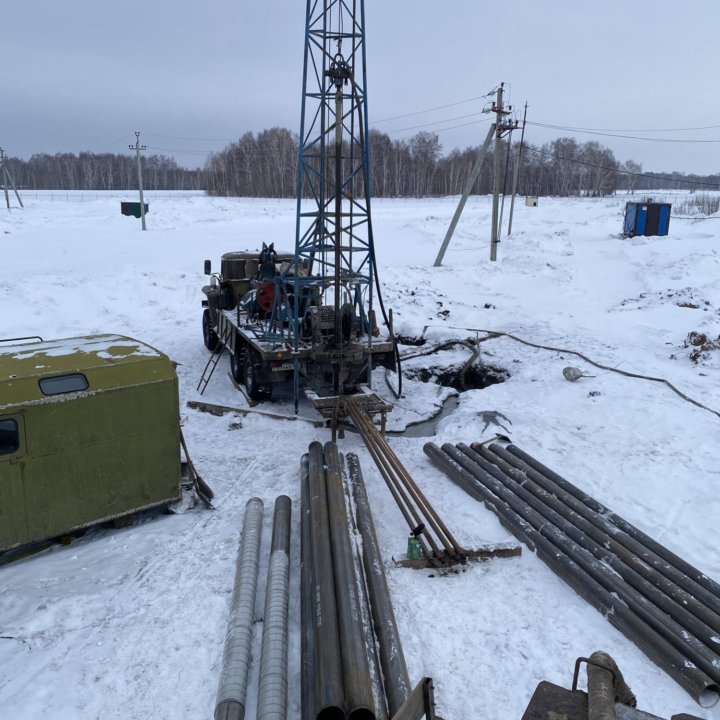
(310,315)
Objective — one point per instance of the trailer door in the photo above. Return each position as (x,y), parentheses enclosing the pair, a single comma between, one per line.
(13,526)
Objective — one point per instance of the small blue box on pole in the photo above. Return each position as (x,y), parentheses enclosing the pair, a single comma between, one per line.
(646,218)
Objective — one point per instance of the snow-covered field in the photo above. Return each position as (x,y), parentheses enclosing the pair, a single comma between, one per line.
(131,623)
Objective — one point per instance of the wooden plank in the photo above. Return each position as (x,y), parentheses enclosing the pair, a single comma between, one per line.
(219,410)
(487,552)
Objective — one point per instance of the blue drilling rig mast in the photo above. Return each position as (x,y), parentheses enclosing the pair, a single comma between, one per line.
(309,317)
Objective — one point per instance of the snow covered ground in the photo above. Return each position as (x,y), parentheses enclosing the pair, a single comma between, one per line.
(131,623)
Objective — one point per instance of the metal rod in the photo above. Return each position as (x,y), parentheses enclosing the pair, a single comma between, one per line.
(444,535)
(398,491)
(692,679)
(272,690)
(359,701)
(647,549)
(591,539)
(232,688)
(392,658)
(327,660)
(557,530)
(577,513)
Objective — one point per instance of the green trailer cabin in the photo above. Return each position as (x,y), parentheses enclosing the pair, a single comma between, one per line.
(89,431)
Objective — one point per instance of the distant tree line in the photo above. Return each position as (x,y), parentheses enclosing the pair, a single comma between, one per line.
(265,164)
(101,171)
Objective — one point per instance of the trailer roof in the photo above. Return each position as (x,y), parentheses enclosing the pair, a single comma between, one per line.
(107,361)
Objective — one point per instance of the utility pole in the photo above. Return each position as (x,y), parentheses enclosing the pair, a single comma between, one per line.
(138,147)
(516,172)
(474,173)
(501,127)
(7,180)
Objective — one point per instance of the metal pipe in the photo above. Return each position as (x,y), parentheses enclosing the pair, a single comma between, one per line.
(396,488)
(602,517)
(608,533)
(392,658)
(359,702)
(668,556)
(307,677)
(555,529)
(601,545)
(661,652)
(428,511)
(272,690)
(424,504)
(327,660)
(232,688)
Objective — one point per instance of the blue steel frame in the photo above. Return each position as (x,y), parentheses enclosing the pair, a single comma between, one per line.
(333,28)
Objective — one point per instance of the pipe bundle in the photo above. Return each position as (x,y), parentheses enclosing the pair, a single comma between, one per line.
(659,601)
(340,677)
(437,543)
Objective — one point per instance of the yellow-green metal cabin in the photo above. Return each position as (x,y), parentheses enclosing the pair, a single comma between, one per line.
(89,431)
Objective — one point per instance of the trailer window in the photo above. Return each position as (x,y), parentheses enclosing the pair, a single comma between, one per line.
(63,384)
(9,436)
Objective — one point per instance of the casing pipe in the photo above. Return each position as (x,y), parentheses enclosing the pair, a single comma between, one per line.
(232,688)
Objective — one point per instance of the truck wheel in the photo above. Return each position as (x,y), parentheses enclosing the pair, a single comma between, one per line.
(210,338)
(254,390)
(236,367)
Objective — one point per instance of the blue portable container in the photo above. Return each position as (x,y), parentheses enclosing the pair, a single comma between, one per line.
(646,218)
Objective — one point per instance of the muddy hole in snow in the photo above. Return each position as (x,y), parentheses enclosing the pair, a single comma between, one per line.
(476,377)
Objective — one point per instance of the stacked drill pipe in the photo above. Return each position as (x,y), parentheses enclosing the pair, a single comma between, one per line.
(336,681)
(653,601)
(232,688)
(437,543)
(392,658)
(272,690)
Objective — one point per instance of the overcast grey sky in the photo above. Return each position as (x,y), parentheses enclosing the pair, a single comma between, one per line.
(193,76)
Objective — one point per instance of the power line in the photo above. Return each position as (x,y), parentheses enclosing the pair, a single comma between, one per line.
(177,137)
(627,137)
(438,107)
(621,130)
(437,122)
(650,176)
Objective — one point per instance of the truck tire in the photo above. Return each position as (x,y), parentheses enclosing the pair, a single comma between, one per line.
(236,366)
(210,338)
(253,389)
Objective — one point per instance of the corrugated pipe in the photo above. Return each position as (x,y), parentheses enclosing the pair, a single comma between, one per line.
(696,682)
(359,703)
(272,691)
(232,688)
(392,658)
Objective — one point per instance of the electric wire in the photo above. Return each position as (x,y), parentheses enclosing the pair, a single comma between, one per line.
(615,135)
(493,334)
